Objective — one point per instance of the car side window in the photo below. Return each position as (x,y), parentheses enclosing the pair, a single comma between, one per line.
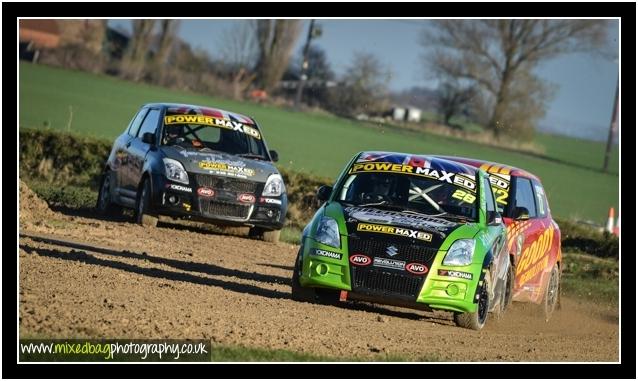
(134,127)
(541,199)
(525,196)
(489,196)
(150,123)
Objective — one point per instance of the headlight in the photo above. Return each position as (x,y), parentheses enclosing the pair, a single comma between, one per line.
(175,171)
(460,253)
(328,232)
(274,186)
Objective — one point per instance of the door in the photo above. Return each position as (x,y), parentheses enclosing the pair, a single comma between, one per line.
(121,155)
(532,239)
(136,151)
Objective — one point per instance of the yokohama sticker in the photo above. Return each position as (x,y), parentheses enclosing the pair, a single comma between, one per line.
(360,260)
(456,274)
(325,253)
(416,268)
(265,200)
(179,188)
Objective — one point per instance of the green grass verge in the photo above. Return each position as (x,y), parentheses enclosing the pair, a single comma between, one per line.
(101,106)
(590,278)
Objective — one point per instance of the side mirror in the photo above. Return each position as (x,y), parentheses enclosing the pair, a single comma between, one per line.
(521,213)
(148,138)
(494,218)
(274,155)
(324,192)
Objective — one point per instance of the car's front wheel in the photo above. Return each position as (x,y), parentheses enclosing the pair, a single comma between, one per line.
(143,216)
(299,293)
(476,320)
(550,298)
(104,204)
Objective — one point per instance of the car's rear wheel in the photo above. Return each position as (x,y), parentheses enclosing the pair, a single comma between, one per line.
(476,320)
(104,204)
(299,293)
(143,216)
(265,235)
(550,298)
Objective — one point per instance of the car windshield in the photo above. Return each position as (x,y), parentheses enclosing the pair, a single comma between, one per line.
(411,193)
(202,132)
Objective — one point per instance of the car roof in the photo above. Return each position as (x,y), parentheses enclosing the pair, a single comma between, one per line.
(205,110)
(419,160)
(492,167)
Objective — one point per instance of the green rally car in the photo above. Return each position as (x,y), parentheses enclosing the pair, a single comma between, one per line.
(407,230)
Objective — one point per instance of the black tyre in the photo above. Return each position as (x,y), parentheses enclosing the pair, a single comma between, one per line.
(551,296)
(265,235)
(476,320)
(143,216)
(299,293)
(104,204)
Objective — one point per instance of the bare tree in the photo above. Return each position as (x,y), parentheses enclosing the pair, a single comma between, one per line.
(454,98)
(499,55)
(364,86)
(167,36)
(275,41)
(239,53)
(139,44)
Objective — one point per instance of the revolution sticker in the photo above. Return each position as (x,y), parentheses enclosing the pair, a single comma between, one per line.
(389,263)
(213,122)
(408,233)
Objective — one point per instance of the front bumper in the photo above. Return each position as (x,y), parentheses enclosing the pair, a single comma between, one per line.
(435,291)
(223,207)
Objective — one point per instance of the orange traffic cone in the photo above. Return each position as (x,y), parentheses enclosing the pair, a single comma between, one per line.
(610,221)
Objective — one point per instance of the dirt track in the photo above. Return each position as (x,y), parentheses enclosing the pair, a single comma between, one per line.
(86,277)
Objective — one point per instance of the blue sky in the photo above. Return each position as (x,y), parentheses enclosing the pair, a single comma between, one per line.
(582,105)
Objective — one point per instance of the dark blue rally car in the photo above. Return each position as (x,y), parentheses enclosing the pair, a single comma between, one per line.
(197,163)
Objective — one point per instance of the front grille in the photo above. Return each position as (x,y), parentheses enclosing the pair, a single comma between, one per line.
(405,252)
(232,185)
(224,209)
(378,282)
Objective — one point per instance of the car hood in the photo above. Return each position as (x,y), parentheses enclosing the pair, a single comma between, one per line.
(220,163)
(368,220)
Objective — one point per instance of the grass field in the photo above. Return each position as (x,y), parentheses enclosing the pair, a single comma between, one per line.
(102,106)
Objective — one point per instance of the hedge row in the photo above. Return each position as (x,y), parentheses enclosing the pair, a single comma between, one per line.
(65,170)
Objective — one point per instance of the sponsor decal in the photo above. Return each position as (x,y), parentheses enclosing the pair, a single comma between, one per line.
(392,250)
(205,192)
(500,185)
(396,218)
(389,263)
(535,257)
(408,233)
(416,268)
(187,206)
(246,197)
(213,122)
(180,188)
(265,200)
(325,253)
(360,260)
(458,179)
(227,169)
(456,274)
